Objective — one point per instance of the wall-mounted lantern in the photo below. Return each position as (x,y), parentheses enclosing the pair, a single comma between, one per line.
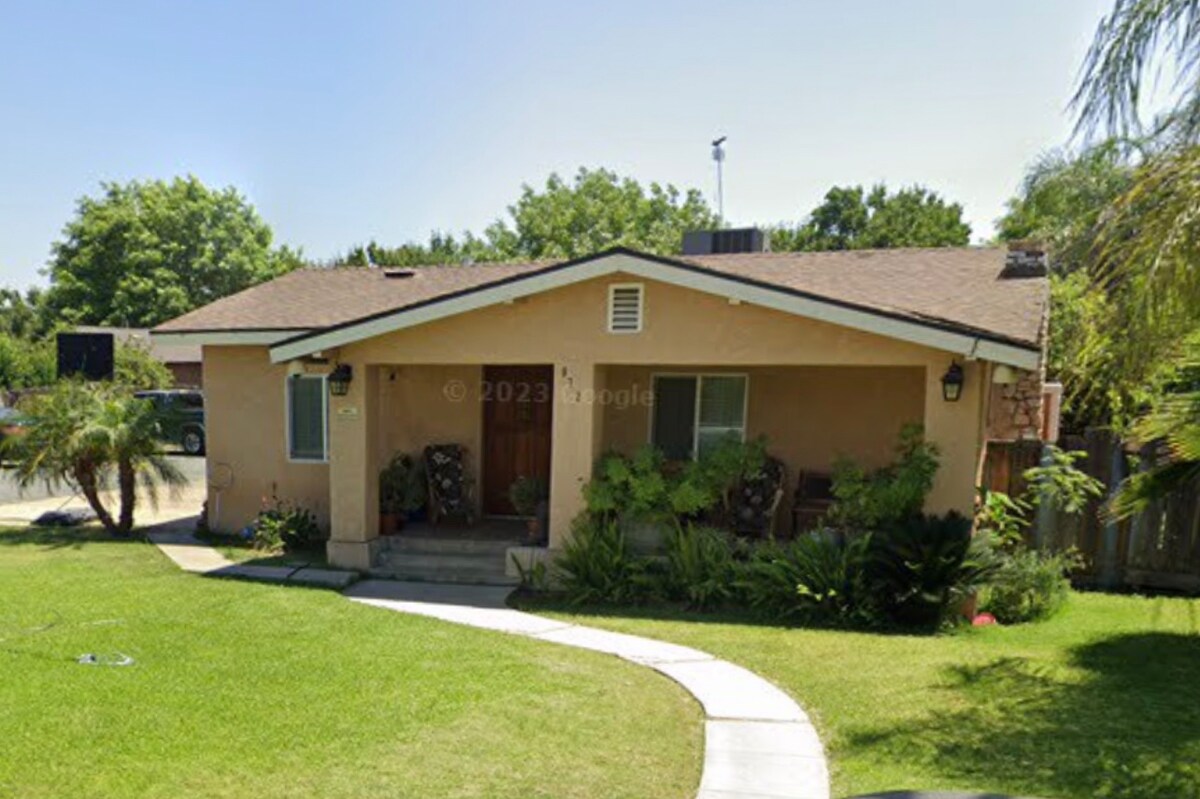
(952,383)
(339,380)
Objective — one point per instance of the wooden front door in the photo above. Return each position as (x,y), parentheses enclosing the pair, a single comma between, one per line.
(517,403)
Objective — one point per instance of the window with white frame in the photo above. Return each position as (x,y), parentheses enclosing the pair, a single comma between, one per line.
(308,418)
(692,414)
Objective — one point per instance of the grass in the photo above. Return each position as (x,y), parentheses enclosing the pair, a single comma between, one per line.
(241,689)
(1099,701)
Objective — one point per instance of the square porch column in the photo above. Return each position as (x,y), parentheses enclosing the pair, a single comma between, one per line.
(575,442)
(353,472)
(957,430)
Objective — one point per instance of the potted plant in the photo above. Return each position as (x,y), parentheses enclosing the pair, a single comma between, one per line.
(528,496)
(401,492)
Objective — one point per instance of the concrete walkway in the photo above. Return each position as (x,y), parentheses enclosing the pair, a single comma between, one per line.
(758,743)
(193,555)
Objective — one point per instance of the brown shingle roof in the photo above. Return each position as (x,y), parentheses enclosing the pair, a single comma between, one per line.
(955,287)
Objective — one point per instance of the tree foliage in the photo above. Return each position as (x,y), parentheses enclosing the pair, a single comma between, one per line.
(596,210)
(145,252)
(26,363)
(1174,420)
(853,219)
(1062,199)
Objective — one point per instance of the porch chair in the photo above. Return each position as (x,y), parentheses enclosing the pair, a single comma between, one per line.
(754,502)
(451,489)
(812,500)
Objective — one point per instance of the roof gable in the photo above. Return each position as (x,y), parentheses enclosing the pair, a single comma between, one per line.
(762,283)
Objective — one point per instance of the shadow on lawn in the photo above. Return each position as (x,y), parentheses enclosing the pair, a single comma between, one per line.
(62,537)
(1126,727)
(534,602)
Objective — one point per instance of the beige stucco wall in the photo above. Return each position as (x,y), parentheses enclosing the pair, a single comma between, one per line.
(566,327)
(420,405)
(246,425)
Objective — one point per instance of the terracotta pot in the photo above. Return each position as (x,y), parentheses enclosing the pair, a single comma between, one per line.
(390,523)
(533,527)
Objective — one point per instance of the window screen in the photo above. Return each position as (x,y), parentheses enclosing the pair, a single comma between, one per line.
(695,413)
(306,418)
(722,410)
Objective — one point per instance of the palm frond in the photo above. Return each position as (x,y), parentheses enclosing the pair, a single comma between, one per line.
(1128,46)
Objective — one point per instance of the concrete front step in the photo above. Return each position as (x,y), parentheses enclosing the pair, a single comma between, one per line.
(450,546)
(480,568)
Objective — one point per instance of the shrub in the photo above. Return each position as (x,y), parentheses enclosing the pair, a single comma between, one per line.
(526,493)
(1029,585)
(648,488)
(402,486)
(922,568)
(866,500)
(135,368)
(699,566)
(818,578)
(286,526)
(596,566)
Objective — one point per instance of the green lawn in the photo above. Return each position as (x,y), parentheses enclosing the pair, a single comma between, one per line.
(1101,701)
(259,691)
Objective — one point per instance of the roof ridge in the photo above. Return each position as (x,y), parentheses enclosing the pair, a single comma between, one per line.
(380,267)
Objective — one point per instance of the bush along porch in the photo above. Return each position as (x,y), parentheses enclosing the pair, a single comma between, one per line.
(700,535)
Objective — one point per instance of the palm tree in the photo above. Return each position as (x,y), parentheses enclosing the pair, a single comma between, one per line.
(88,434)
(1147,252)
(1148,243)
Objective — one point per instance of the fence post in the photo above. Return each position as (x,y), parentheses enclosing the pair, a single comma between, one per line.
(1046,520)
(1108,577)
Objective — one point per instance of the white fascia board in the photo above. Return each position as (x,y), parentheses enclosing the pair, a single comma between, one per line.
(707,282)
(227,337)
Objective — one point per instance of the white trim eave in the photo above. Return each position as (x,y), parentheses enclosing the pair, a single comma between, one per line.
(227,337)
(959,343)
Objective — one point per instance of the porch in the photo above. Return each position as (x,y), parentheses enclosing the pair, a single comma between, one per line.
(554,421)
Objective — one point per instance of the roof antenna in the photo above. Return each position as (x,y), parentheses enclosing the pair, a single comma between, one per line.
(718,155)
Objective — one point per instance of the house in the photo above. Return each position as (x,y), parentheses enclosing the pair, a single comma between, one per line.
(538,368)
(182,360)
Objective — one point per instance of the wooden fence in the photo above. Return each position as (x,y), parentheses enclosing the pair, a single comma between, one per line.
(1158,549)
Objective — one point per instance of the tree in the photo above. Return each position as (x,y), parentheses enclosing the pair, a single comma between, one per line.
(87,435)
(443,248)
(1148,242)
(1061,203)
(1062,199)
(595,211)
(135,368)
(26,363)
(145,252)
(851,219)
(23,315)
(1174,420)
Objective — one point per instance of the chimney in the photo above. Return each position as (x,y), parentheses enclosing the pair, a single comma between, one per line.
(721,242)
(1025,259)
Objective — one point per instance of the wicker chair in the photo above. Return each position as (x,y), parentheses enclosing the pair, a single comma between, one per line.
(451,490)
(754,502)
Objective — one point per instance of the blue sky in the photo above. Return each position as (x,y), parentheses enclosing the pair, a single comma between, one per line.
(355,120)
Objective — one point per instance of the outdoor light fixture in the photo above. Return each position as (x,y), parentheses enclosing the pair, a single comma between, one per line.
(952,383)
(339,380)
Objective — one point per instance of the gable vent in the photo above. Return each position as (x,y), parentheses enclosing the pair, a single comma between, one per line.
(625,308)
